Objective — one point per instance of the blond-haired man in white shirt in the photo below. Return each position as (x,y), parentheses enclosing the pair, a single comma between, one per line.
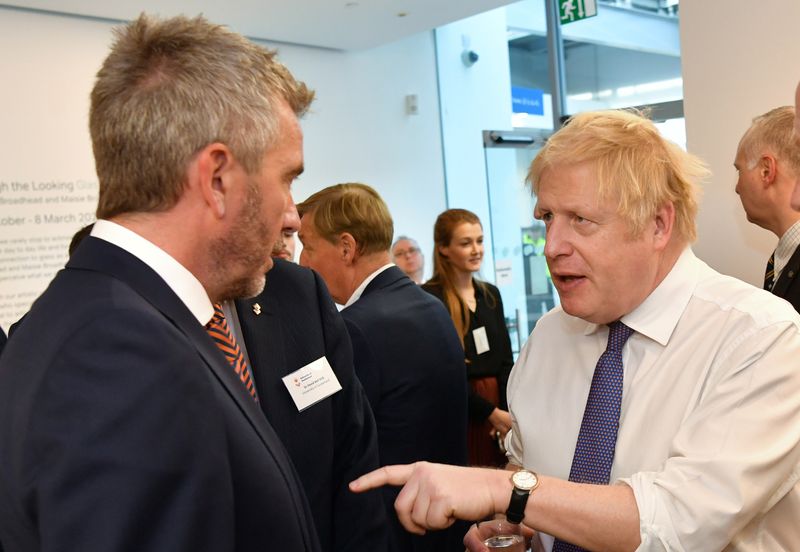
(706,441)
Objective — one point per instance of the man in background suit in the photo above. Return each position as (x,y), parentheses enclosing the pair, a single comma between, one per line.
(409,258)
(767,171)
(2,340)
(289,326)
(407,354)
(123,425)
(284,247)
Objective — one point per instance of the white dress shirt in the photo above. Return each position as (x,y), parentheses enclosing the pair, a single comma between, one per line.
(709,437)
(786,247)
(178,278)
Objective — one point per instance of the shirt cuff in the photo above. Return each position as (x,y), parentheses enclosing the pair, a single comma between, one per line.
(654,536)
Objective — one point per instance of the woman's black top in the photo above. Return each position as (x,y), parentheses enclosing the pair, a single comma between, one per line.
(498,360)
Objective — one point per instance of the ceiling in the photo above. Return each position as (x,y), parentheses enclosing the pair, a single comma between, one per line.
(336,24)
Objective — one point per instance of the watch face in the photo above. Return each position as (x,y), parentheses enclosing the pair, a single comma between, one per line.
(525,480)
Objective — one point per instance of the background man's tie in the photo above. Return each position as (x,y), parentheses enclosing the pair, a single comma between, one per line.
(221,334)
(769,274)
(597,439)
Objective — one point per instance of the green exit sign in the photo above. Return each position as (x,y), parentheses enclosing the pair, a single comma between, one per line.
(575,10)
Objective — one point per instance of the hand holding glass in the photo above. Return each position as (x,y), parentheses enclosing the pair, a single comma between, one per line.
(498,534)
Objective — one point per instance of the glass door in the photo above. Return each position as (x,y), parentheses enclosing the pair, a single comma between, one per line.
(521,272)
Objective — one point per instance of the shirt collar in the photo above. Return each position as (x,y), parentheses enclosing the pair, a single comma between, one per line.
(185,285)
(657,316)
(786,247)
(360,289)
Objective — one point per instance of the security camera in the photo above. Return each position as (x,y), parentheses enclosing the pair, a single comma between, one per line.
(469,57)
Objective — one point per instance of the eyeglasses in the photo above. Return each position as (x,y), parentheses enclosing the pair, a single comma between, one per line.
(404,252)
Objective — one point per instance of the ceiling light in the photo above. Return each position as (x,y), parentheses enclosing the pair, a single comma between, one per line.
(624,91)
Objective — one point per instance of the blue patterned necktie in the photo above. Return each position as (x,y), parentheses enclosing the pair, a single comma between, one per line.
(597,439)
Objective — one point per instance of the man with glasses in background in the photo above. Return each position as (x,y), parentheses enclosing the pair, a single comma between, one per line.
(408,257)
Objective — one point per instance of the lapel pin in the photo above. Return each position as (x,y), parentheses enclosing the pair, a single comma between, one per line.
(256,308)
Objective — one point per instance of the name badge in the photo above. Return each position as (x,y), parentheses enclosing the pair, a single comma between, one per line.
(312,383)
(481,341)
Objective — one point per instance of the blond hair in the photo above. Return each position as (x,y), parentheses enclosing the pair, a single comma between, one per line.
(168,89)
(774,131)
(354,208)
(633,161)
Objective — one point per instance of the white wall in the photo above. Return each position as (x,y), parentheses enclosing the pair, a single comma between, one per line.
(473,99)
(357,130)
(48,67)
(739,60)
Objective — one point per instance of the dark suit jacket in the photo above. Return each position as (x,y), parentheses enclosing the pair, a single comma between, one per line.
(411,364)
(334,441)
(2,340)
(123,427)
(787,285)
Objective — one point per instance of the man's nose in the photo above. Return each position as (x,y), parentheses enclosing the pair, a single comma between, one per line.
(556,240)
(291,218)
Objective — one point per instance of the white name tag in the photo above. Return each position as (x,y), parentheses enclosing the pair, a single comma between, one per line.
(312,383)
(481,341)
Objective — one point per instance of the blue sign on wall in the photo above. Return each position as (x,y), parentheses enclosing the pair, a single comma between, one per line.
(527,100)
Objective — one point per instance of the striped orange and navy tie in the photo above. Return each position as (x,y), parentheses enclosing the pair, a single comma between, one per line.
(221,334)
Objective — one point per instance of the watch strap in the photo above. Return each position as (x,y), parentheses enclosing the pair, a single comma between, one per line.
(516,506)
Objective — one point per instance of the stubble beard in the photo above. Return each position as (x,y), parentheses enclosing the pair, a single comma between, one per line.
(278,248)
(241,258)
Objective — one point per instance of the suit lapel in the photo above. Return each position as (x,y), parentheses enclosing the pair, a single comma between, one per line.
(98,255)
(788,274)
(265,341)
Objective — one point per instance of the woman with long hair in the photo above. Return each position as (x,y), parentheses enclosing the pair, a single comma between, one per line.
(477,312)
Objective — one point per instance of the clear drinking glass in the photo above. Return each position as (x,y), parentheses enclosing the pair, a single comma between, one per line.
(500,535)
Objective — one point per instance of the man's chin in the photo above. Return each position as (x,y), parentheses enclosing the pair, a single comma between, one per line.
(257,283)
(245,289)
(257,288)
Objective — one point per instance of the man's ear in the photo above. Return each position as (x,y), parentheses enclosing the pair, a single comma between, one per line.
(767,169)
(213,170)
(348,247)
(664,225)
